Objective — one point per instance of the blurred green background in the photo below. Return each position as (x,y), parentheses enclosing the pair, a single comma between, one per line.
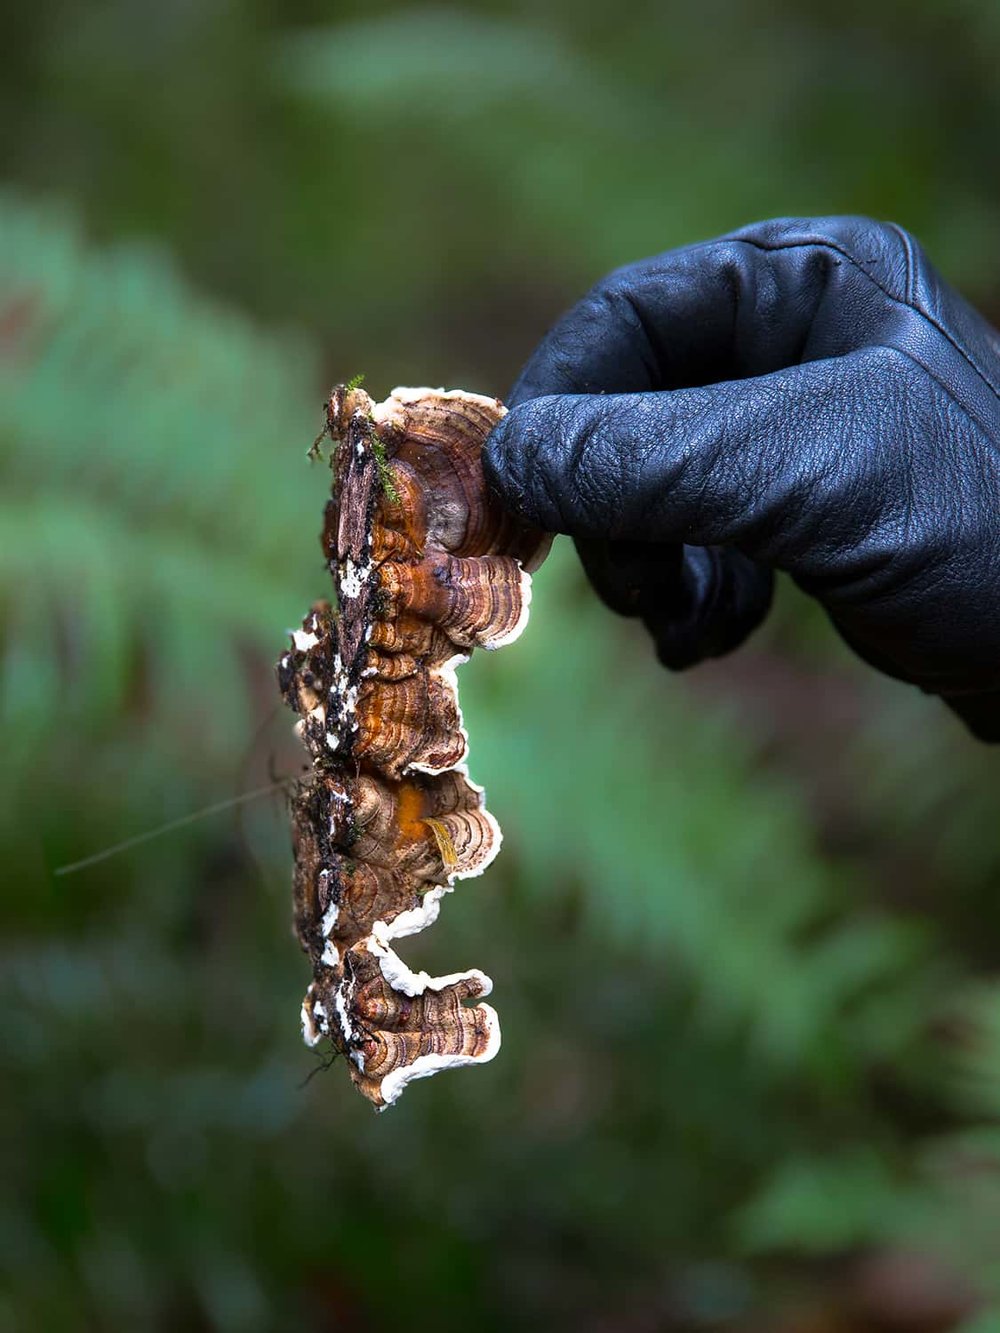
(746,931)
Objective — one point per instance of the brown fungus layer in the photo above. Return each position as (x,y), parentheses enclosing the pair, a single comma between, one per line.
(426,566)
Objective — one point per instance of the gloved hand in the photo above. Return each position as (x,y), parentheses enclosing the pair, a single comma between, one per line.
(801,395)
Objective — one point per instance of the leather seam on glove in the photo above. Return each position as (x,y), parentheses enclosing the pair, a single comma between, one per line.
(945,389)
(890,296)
(911,266)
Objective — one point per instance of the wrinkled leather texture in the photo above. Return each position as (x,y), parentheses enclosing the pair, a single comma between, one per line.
(804,394)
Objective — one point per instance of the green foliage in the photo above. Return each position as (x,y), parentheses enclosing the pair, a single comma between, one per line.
(144,430)
(825,1205)
(743,930)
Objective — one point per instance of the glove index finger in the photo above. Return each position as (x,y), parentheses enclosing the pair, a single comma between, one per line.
(770,464)
(590,465)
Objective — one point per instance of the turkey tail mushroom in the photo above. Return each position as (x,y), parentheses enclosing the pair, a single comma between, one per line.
(426,567)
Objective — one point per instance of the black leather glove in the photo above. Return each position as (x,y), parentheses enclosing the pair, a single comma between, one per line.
(806,395)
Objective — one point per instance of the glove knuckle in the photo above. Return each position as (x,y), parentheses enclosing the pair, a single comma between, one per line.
(884,362)
(858,232)
(614,294)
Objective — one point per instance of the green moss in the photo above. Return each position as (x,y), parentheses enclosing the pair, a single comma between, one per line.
(385,476)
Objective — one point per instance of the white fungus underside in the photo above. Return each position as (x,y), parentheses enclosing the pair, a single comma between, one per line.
(426,1065)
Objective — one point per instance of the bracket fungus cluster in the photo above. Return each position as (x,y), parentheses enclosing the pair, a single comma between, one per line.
(426,567)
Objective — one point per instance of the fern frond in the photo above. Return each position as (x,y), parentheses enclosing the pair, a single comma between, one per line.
(153,512)
(120,384)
